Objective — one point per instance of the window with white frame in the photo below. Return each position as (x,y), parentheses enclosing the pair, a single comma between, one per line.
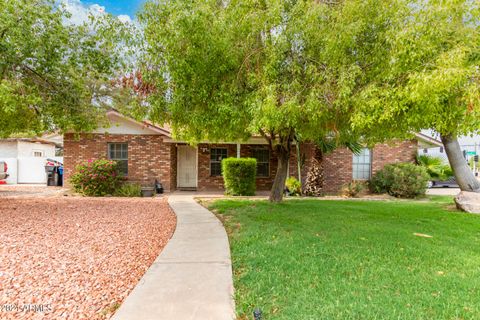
(119,153)
(362,165)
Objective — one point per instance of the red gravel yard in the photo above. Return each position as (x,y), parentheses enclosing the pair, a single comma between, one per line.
(76,258)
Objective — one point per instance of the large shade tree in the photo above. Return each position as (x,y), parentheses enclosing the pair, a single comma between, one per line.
(224,71)
(54,74)
(431,79)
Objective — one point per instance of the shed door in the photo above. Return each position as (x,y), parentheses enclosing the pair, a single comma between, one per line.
(186,167)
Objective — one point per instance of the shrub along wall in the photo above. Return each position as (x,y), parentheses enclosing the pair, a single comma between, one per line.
(96,178)
(403,180)
(239,176)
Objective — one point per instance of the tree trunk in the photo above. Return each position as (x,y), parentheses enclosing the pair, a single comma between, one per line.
(464,176)
(315,175)
(278,187)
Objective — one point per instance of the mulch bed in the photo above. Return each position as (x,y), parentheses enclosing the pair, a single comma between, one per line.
(76,258)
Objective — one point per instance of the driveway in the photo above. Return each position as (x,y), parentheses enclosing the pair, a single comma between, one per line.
(30,190)
(443,191)
(75,257)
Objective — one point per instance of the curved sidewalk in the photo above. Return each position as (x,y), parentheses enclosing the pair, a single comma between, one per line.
(192,277)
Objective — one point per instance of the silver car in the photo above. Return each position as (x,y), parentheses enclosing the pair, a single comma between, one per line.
(3,170)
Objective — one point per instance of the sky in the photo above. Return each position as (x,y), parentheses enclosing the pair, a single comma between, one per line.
(125,10)
(117,7)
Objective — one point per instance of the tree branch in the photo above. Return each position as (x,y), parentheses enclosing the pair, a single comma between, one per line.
(40,76)
(268,138)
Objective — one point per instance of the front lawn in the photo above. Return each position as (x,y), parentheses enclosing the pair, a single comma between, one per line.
(310,259)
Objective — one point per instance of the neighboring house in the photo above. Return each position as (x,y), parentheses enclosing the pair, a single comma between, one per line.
(470,146)
(26,157)
(57,138)
(146,152)
(470,152)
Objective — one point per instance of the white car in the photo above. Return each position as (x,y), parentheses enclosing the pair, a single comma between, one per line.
(3,170)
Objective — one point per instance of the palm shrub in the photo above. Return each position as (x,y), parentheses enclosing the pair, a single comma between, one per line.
(436,168)
(403,180)
(239,176)
(96,178)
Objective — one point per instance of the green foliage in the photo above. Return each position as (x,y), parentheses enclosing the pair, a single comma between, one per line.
(128,190)
(281,69)
(353,189)
(239,175)
(329,144)
(55,74)
(243,67)
(431,77)
(238,68)
(403,180)
(294,186)
(380,182)
(435,166)
(96,178)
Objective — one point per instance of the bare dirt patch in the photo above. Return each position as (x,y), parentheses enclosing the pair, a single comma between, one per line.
(30,191)
(76,258)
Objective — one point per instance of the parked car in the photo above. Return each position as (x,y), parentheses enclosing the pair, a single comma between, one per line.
(450,183)
(3,170)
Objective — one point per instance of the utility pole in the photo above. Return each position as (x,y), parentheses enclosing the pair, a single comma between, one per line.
(475,157)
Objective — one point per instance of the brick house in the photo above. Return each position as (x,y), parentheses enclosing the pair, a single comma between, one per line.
(146,152)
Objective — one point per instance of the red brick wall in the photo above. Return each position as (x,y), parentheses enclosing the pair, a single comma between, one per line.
(208,182)
(338,170)
(173,161)
(306,154)
(263,183)
(395,151)
(338,164)
(149,157)
(205,180)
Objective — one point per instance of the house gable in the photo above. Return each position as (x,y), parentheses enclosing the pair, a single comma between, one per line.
(120,124)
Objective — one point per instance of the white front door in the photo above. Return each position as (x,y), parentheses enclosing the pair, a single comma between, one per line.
(186,167)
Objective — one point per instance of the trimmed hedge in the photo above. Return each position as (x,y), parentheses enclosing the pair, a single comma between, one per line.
(402,180)
(239,176)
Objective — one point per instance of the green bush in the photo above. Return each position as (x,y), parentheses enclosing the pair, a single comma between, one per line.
(353,189)
(129,190)
(96,178)
(403,180)
(294,186)
(239,176)
(381,181)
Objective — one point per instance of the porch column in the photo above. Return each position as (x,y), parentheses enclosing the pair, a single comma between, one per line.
(238,150)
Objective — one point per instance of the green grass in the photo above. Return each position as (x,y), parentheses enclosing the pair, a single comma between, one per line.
(310,259)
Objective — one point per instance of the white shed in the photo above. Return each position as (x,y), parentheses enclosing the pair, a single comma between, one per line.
(26,158)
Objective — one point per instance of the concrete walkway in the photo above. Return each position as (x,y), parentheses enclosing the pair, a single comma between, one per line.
(192,277)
